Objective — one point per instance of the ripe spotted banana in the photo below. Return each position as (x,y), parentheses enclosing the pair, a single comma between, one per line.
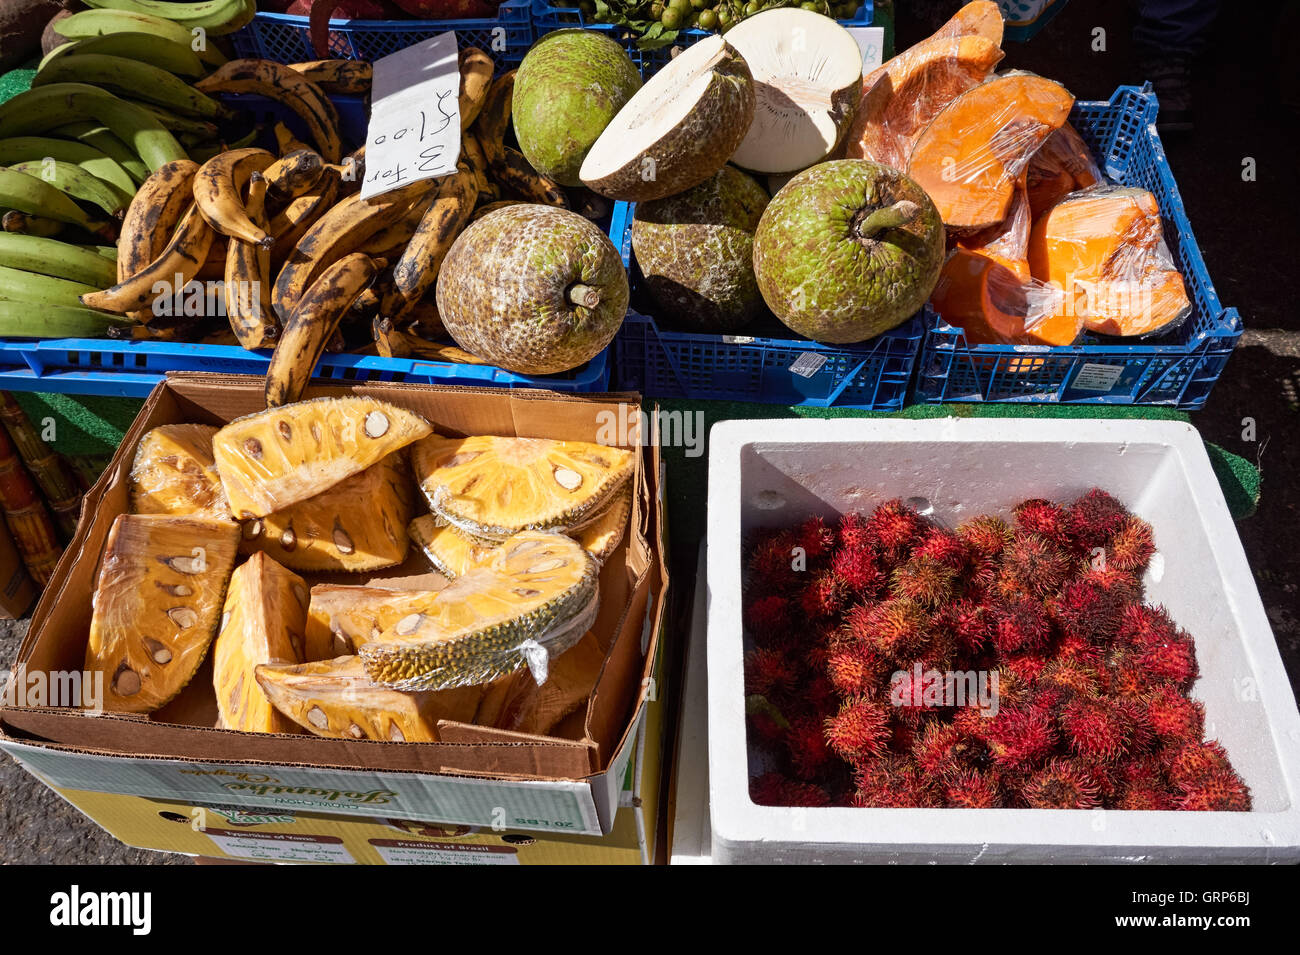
(348,77)
(471,153)
(87,24)
(132,78)
(37,197)
(417,269)
(217,189)
(247,280)
(476,69)
(42,108)
(179,262)
(517,175)
(293,174)
(217,17)
(311,324)
(291,223)
(285,141)
(337,233)
(494,118)
(33,253)
(153,214)
(77,183)
(282,84)
(392,239)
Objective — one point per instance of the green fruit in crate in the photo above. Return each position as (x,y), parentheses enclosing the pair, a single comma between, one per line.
(568,88)
(128,77)
(847,250)
(96,23)
(696,251)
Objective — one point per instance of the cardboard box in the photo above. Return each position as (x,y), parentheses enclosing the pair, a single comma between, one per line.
(778,473)
(17,589)
(568,782)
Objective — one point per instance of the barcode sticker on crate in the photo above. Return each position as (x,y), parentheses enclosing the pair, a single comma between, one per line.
(808,364)
(738,339)
(1097,377)
(414,130)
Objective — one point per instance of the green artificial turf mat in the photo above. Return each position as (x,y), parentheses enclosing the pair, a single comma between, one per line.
(83,424)
(14,82)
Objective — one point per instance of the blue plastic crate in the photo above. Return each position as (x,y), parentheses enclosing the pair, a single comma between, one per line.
(354,117)
(661,363)
(95,366)
(548,18)
(1024,18)
(1178,368)
(283,37)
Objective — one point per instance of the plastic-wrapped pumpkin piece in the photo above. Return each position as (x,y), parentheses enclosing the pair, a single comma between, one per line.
(335,698)
(264,621)
(273,459)
(1062,165)
(495,487)
(174,473)
(357,525)
(162,583)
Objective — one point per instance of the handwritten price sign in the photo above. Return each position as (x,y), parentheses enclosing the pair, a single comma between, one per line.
(414,130)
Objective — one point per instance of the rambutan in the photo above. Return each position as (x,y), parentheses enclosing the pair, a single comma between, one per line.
(854,533)
(893,782)
(823,597)
(1044,518)
(1033,566)
(944,546)
(767,727)
(972,721)
(1142,785)
(1172,661)
(769,619)
(769,672)
(1131,548)
(855,670)
(859,730)
(944,750)
(809,755)
(1218,791)
(1071,678)
(1020,737)
(1146,798)
(1195,762)
(1124,586)
(924,580)
(972,789)
(1142,734)
(903,736)
(1175,719)
(1143,625)
(970,624)
(895,629)
(1124,674)
(771,562)
(1061,784)
(1088,609)
(1075,649)
(895,529)
(1097,729)
(816,539)
(986,535)
(1094,519)
(907,696)
(1022,625)
(857,569)
(773,789)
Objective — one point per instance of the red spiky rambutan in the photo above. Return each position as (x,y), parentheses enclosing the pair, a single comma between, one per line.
(769,619)
(972,720)
(1022,626)
(1087,609)
(1070,678)
(944,546)
(1142,734)
(823,597)
(1142,785)
(907,695)
(1097,729)
(859,730)
(854,533)
(1195,762)
(944,750)
(986,535)
(768,727)
(1033,566)
(1061,784)
(1142,625)
(892,782)
(1218,791)
(858,570)
(924,580)
(1175,719)
(1172,661)
(969,623)
(810,757)
(1146,798)
(771,562)
(816,539)
(773,789)
(769,672)
(1124,586)
(972,789)
(1075,649)
(819,694)
(1020,737)
(1044,518)
(855,670)
(1094,519)
(895,529)
(895,629)
(1131,548)
(902,737)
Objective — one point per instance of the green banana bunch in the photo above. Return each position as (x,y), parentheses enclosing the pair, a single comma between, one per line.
(117,74)
(163,53)
(58,259)
(101,137)
(20,320)
(77,183)
(45,107)
(217,17)
(11,220)
(18,149)
(94,23)
(36,289)
(36,197)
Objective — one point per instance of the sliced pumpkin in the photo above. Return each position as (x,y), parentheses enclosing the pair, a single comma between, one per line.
(264,621)
(174,473)
(969,159)
(335,698)
(979,18)
(276,458)
(1064,164)
(902,97)
(157,603)
(341,618)
(357,525)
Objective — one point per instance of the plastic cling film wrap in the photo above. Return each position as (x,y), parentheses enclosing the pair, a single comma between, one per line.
(538,589)
(1062,165)
(174,473)
(1104,248)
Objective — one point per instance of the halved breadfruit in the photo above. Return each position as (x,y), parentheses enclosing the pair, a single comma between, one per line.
(174,473)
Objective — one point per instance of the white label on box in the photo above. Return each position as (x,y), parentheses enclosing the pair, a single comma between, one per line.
(280,846)
(737,339)
(414,130)
(1097,377)
(808,364)
(871,41)
(411,852)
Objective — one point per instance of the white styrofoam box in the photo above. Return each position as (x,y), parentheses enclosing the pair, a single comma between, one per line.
(690,800)
(777,473)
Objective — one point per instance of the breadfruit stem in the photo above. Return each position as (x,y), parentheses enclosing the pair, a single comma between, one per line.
(887,217)
(585,296)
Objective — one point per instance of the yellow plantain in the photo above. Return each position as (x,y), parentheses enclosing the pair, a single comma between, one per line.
(153,214)
(494,119)
(471,154)
(217,189)
(178,263)
(247,277)
(282,84)
(293,174)
(392,239)
(291,223)
(417,269)
(515,173)
(213,268)
(349,77)
(476,69)
(337,233)
(312,323)
(285,141)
